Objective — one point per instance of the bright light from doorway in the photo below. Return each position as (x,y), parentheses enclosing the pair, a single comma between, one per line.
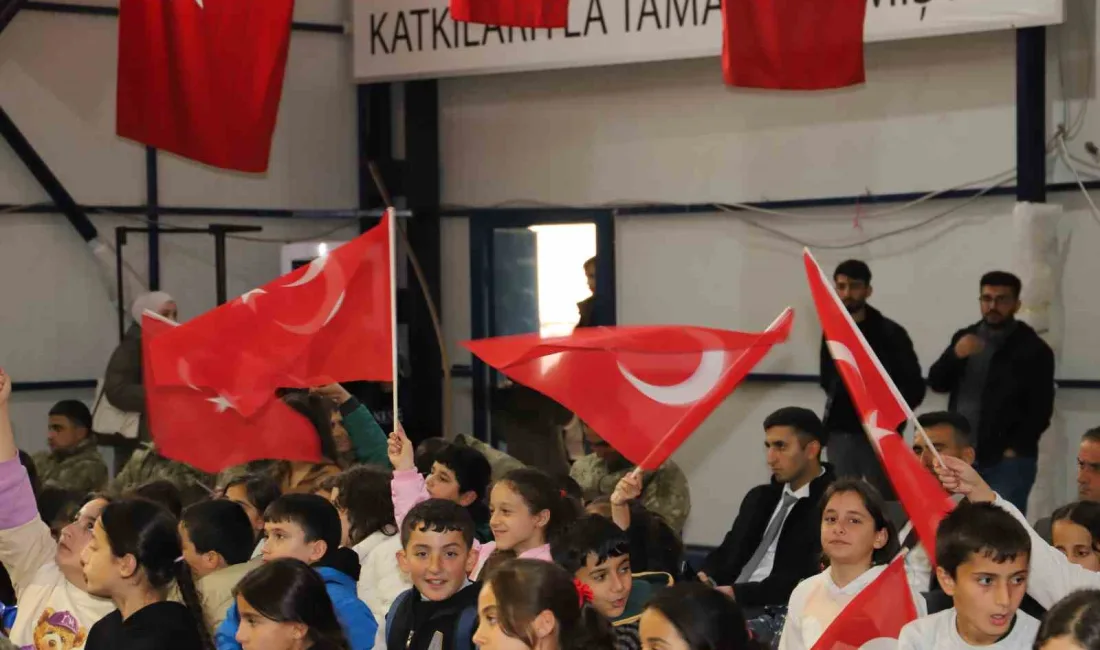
(562,252)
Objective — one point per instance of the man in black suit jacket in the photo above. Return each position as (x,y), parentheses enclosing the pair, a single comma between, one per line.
(759,572)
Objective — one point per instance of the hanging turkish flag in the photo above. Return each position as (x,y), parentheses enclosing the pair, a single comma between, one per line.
(643,389)
(328,321)
(875,615)
(203,78)
(793,44)
(881,408)
(512,13)
(201,427)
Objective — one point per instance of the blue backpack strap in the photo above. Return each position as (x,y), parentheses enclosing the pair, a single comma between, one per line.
(393,609)
(464,629)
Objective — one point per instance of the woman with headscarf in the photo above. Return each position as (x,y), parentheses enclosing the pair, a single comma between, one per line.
(123,384)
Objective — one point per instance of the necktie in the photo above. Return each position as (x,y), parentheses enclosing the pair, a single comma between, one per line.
(770,534)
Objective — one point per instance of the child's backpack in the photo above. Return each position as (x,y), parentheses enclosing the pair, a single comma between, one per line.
(464,626)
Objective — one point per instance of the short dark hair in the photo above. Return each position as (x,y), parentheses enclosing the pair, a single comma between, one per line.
(979,529)
(589,535)
(426,453)
(1002,279)
(804,421)
(75,410)
(854,269)
(316,516)
(162,492)
(956,421)
(260,489)
(1092,435)
(220,526)
(364,494)
(438,516)
(471,469)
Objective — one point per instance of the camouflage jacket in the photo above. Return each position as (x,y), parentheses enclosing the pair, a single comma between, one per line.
(666,490)
(80,469)
(147,465)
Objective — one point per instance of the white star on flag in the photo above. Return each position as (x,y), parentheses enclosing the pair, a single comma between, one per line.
(872,427)
(221,403)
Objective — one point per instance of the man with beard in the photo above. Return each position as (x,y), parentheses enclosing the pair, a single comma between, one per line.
(665,491)
(1000,375)
(850,452)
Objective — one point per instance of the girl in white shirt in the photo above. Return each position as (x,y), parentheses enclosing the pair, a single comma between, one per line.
(1075,531)
(858,541)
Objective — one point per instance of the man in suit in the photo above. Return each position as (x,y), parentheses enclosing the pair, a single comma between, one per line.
(775,541)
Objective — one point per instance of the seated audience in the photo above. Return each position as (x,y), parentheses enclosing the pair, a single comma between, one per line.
(361,496)
(982,555)
(536,605)
(284,606)
(132,560)
(254,493)
(307,528)
(217,544)
(1072,624)
(1088,476)
(858,542)
(664,492)
(49,581)
(774,542)
(437,538)
(73,461)
(692,616)
(1075,531)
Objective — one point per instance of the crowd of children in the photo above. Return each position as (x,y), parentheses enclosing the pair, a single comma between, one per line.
(386,555)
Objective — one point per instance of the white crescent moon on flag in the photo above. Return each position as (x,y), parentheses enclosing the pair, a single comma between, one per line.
(184,370)
(330,306)
(312,271)
(694,388)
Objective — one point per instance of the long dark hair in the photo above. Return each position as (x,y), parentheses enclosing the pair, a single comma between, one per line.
(872,500)
(289,591)
(318,411)
(148,532)
(1085,514)
(364,494)
(706,618)
(541,492)
(1076,616)
(525,588)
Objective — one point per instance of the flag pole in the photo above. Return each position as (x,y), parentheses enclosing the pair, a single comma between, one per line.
(391,235)
(909,416)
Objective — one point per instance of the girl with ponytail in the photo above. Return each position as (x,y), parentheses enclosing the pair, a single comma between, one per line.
(134,559)
(536,605)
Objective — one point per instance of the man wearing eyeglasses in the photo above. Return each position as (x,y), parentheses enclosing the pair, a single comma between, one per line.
(1000,375)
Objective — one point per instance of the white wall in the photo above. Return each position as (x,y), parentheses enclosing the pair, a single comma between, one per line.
(934,114)
(57,81)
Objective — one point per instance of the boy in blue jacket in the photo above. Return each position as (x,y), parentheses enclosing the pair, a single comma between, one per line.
(306,527)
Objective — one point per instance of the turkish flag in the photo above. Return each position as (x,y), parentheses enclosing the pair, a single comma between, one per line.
(512,13)
(328,321)
(200,427)
(203,78)
(793,44)
(881,408)
(643,389)
(876,613)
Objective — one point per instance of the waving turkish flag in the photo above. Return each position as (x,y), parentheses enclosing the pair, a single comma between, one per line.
(326,322)
(642,389)
(512,13)
(203,78)
(875,615)
(200,427)
(881,408)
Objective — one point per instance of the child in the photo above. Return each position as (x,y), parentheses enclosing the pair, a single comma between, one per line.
(217,540)
(437,538)
(534,604)
(1072,624)
(693,616)
(858,542)
(1075,531)
(132,560)
(982,553)
(597,553)
(254,493)
(307,528)
(284,606)
(458,474)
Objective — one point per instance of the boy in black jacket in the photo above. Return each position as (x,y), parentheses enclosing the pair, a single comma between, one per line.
(437,539)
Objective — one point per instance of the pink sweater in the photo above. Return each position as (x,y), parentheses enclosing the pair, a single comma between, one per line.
(408,489)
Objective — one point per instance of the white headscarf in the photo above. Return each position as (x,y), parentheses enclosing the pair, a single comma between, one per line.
(152,301)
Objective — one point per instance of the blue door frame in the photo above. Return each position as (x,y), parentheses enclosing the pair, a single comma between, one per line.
(482,225)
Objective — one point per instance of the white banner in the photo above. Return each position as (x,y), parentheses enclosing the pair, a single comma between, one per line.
(411,39)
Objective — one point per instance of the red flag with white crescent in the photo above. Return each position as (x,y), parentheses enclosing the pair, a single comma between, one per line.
(881,408)
(643,389)
(874,618)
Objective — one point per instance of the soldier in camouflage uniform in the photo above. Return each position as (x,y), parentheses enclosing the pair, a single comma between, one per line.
(73,462)
(147,465)
(664,492)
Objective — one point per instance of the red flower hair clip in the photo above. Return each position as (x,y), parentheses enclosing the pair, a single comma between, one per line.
(584,592)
